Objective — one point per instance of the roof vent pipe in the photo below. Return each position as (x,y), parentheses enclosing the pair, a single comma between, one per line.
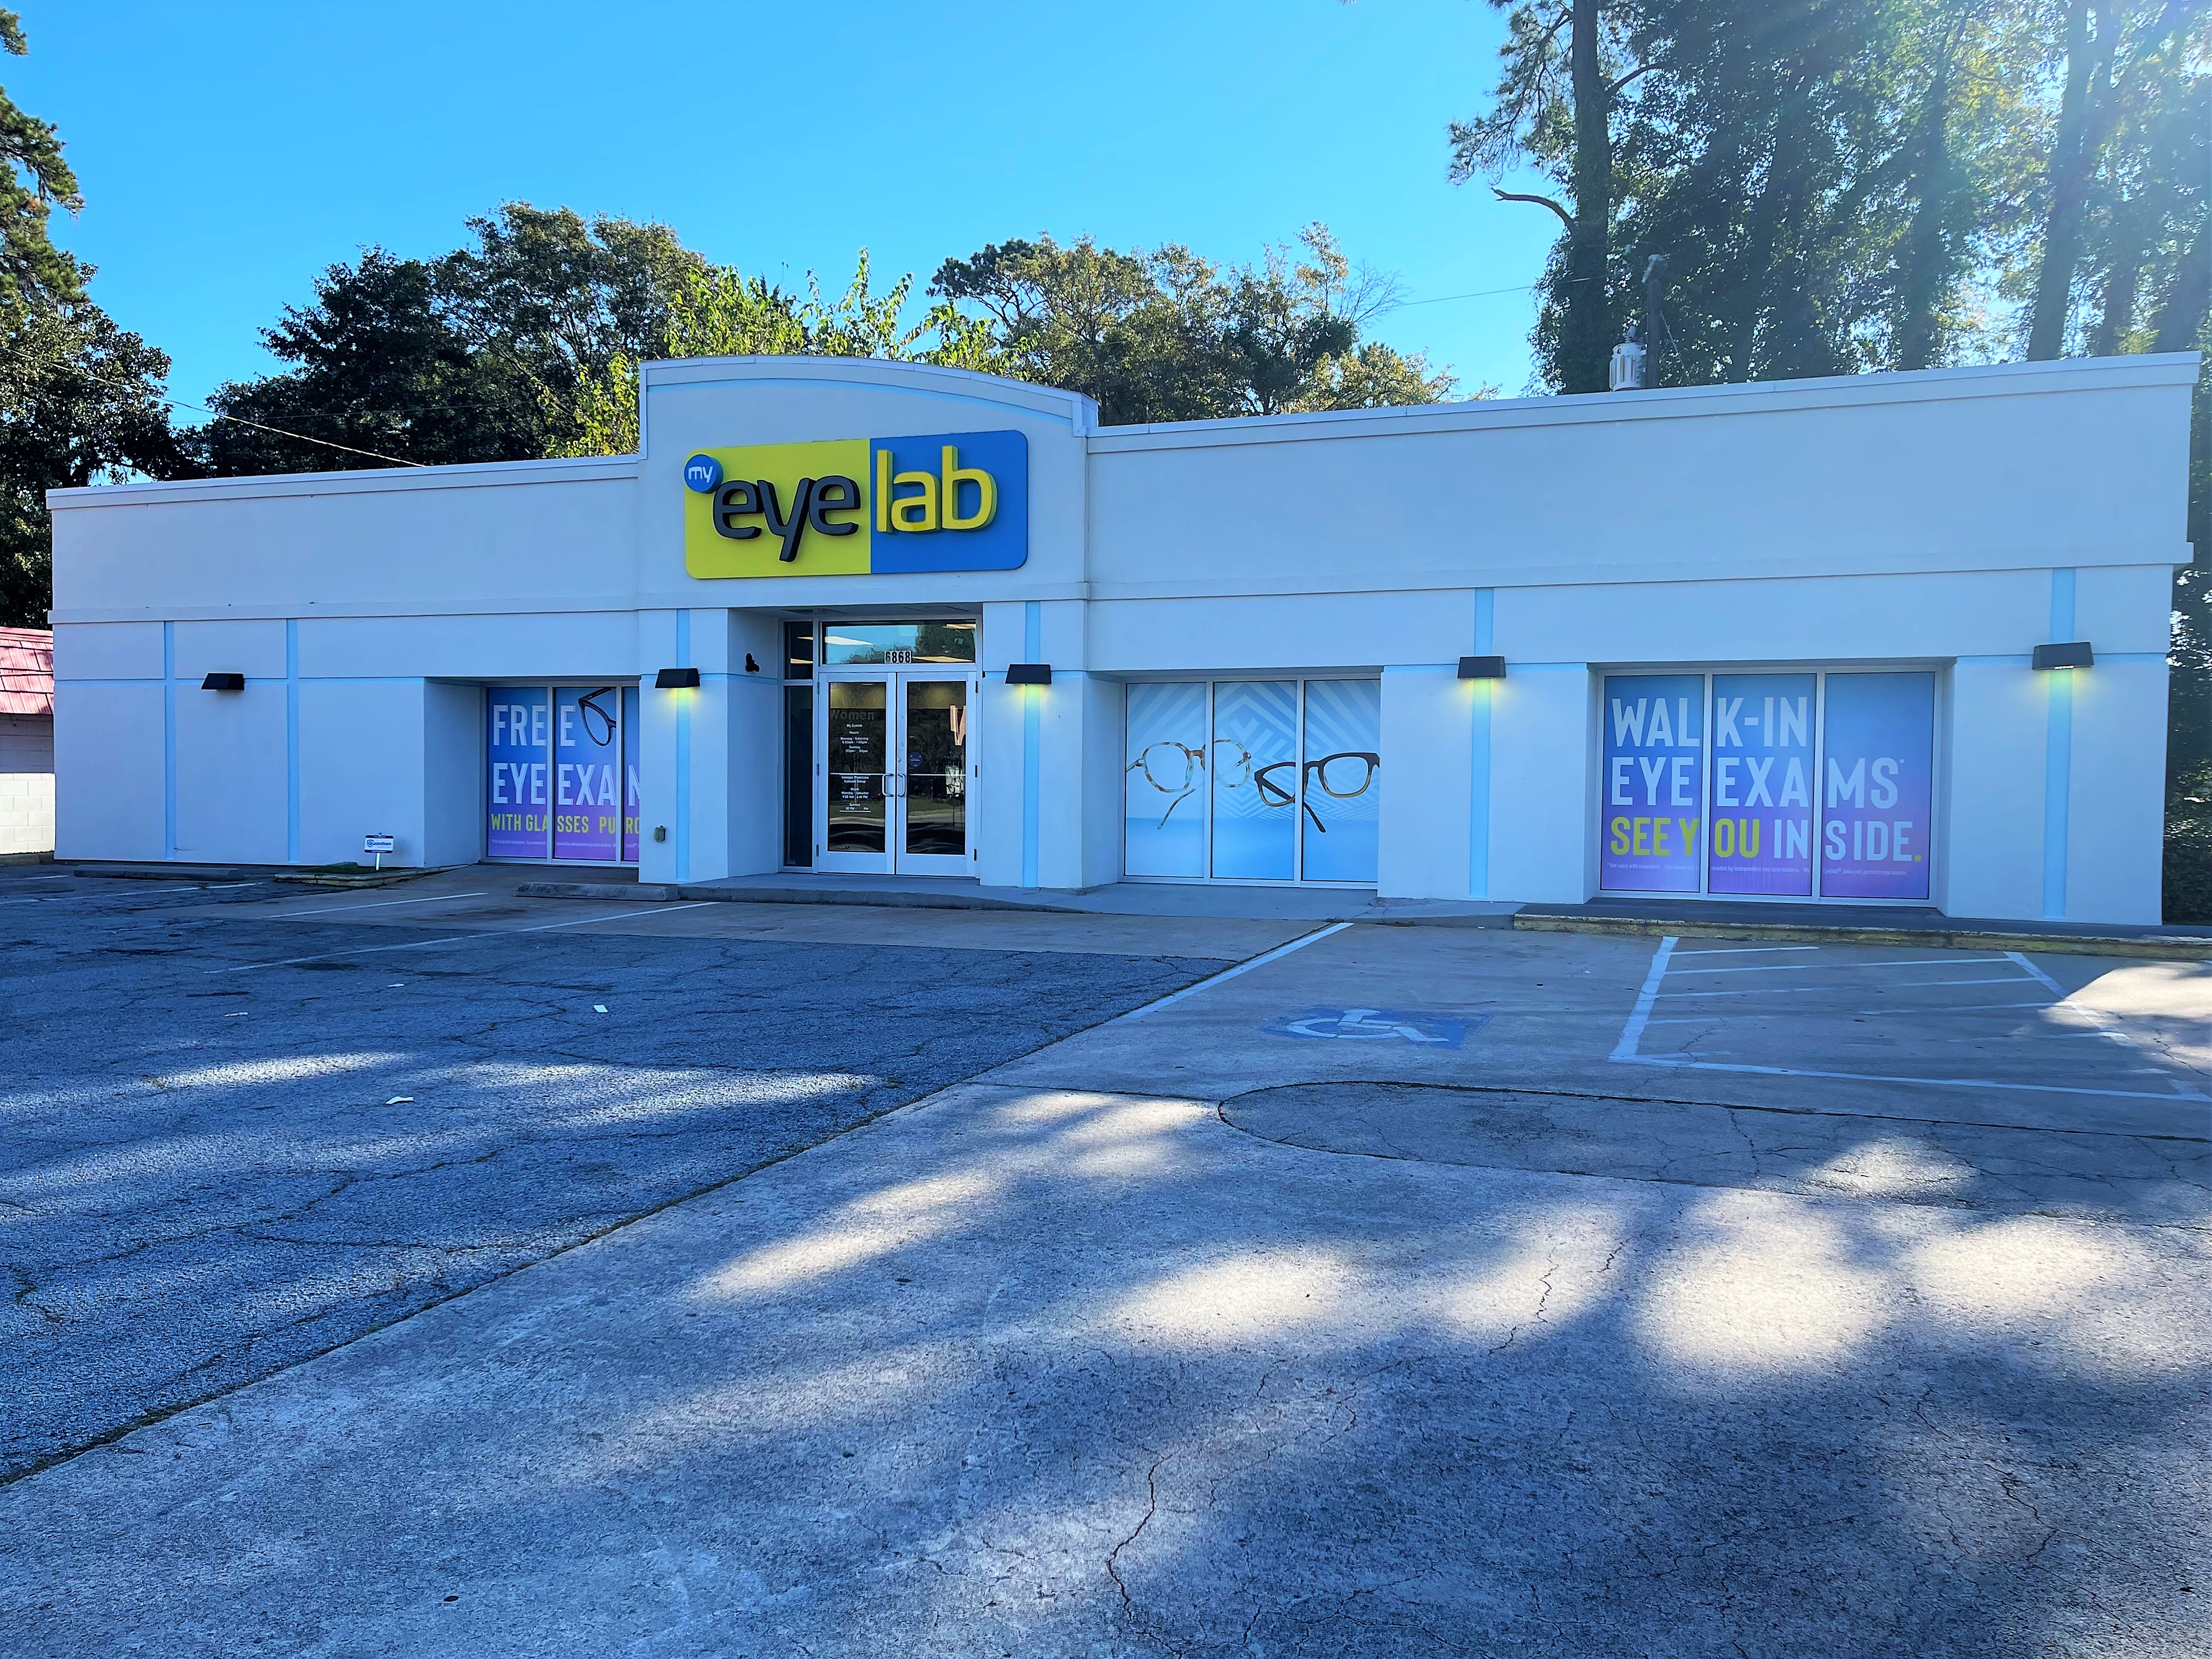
(1626,371)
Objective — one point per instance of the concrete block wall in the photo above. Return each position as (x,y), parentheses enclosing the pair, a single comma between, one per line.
(27,783)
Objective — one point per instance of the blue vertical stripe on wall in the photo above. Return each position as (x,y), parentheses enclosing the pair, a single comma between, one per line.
(1032,739)
(1477,760)
(291,741)
(683,751)
(168,740)
(2058,751)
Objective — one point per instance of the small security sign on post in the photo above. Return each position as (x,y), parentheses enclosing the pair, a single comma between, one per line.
(378,845)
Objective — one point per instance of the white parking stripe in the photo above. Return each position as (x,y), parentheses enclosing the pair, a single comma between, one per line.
(377,904)
(1744,950)
(2106,1024)
(1812,967)
(1640,1016)
(460,938)
(1260,961)
(1954,1008)
(2036,973)
(1825,990)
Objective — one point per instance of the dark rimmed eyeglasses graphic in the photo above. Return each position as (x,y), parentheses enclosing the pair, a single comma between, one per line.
(598,722)
(1173,769)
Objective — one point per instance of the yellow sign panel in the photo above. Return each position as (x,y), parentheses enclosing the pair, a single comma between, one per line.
(782,498)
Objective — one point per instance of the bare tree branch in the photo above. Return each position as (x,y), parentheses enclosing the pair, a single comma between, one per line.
(1565,217)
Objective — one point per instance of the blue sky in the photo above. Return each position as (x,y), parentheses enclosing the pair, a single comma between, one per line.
(228,152)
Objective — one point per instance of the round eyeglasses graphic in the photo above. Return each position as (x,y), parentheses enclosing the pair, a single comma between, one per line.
(1173,768)
(598,720)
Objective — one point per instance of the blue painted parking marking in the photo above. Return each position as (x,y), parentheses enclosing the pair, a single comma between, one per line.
(1380,1025)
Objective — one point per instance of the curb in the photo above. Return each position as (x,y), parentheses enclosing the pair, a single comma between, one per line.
(1947,938)
(374,878)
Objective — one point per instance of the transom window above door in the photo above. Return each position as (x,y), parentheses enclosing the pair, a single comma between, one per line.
(849,644)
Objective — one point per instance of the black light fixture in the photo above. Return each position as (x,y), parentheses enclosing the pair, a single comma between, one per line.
(751,666)
(1028,673)
(223,683)
(2075,655)
(677,679)
(1482,668)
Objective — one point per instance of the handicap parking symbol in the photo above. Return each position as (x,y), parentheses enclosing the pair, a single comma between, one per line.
(1379,1025)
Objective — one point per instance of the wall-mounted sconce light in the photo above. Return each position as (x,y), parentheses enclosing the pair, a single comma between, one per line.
(751,667)
(2075,655)
(677,679)
(660,832)
(1028,673)
(223,683)
(1482,668)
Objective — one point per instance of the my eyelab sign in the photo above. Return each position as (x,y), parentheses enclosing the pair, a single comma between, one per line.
(857,507)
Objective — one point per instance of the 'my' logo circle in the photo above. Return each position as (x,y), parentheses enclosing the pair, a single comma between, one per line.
(702,473)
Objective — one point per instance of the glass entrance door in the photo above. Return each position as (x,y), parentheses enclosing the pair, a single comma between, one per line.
(895,771)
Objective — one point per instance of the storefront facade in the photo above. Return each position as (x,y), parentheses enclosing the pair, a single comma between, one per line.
(1771,642)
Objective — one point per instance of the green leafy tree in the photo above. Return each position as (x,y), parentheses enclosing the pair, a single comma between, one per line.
(35,181)
(715,312)
(1563,79)
(81,400)
(1164,335)
(489,353)
(380,375)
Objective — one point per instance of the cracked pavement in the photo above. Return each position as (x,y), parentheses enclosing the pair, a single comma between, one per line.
(1176,1335)
(205,1177)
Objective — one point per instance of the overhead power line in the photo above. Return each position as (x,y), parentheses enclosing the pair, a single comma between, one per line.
(258,426)
(327,443)
(1484,293)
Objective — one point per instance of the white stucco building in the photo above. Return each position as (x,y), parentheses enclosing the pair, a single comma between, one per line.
(1751,642)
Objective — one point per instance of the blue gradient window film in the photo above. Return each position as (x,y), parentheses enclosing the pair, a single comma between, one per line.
(1254,762)
(518,780)
(587,762)
(1164,781)
(1340,817)
(1651,793)
(629,774)
(1761,837)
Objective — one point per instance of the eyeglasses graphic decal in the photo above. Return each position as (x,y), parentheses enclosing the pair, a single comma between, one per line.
(1172,768)
(598,717)
(1215,784)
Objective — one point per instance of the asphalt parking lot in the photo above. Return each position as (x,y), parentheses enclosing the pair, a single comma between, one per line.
(236,1136)
(1413,1290)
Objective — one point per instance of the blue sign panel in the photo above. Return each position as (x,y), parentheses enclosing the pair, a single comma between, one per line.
(1760,838)
(950,501)
(586,755)
(1878,785)
(630,773)
(1652,791)
(519,785)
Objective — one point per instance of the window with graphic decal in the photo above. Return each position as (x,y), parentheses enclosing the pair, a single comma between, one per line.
(561,773)
(1269,781)
(1781,783)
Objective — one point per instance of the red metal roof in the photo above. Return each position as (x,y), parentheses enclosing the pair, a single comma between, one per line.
(26,671)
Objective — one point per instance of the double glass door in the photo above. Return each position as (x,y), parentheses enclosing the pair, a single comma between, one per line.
(894,773)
